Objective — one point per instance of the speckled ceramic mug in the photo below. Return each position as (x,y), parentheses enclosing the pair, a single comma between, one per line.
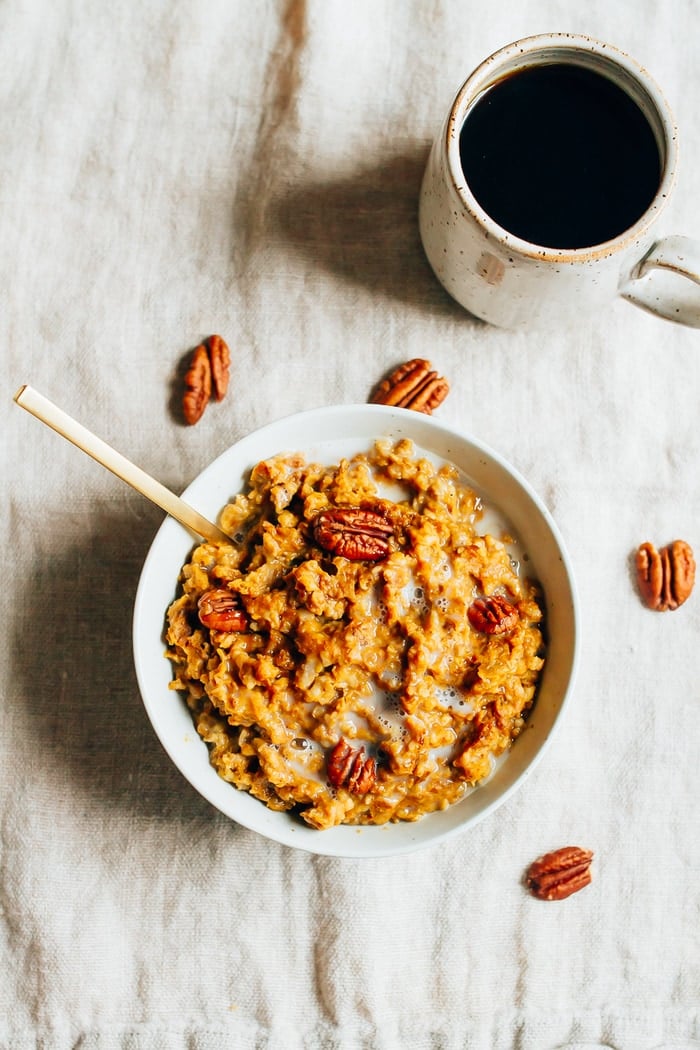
(513,282)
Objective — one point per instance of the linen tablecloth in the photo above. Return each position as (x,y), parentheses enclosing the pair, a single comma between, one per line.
(252,169)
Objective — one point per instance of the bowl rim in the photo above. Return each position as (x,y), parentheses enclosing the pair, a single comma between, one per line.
(172,538)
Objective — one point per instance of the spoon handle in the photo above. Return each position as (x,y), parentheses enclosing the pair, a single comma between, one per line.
(54,417)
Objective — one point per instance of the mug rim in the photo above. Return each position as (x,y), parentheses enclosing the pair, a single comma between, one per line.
(520,53)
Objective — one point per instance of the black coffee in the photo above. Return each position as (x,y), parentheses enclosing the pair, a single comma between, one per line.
(560,156)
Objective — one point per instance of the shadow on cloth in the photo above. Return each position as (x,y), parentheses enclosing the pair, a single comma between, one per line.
(75,666)
(364,228)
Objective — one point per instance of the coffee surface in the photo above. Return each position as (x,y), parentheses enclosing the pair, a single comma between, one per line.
(560,156)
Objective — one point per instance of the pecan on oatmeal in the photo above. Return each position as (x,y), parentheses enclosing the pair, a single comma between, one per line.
(494,615)
(354,532)
(349,768)
(219,610)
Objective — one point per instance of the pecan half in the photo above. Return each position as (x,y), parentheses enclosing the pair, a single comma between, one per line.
(413,385)
(492,615)
(220,610)
(220,360)
(197,386)
(557,875)
(666,577)
(208,373)
(355,533)
(349,768)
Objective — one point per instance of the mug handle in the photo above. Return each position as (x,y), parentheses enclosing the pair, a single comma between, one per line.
(667,281)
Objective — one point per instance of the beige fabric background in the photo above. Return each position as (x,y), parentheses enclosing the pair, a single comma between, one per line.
(172,169)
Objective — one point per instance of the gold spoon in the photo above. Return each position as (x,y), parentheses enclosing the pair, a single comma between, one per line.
(54,417)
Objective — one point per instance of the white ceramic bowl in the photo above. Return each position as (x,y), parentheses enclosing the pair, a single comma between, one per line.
(325,435)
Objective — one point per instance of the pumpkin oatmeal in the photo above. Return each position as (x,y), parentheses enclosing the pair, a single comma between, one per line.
(361,653)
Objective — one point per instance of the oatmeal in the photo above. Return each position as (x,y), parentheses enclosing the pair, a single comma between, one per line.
(361,653)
